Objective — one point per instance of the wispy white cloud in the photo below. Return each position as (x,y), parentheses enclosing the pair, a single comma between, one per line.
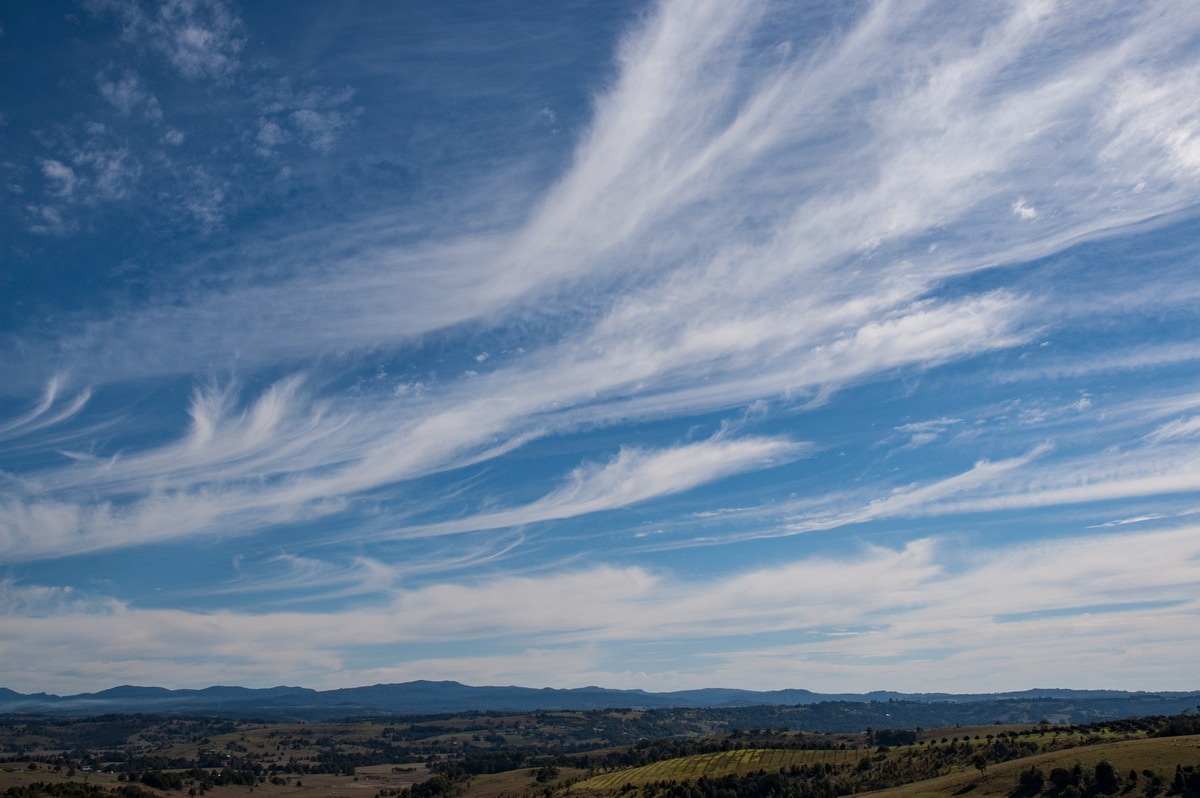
(317,118)
(315,457)
(126,93)
(41,415)
(1159,111)
(61,178)
(128,151)
(318,130)
(1141,519)
(751,216)
(917,500)
(38,601)
(1024,210)
(1116,360)
(733,183)
(1179,428)
(830,288)
(633,476)
(1110,593)
(1029,481)
(922,433)
(200,38)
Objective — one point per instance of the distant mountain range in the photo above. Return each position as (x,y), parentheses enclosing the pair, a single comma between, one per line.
(426,697)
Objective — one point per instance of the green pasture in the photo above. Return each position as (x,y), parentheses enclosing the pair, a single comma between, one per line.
(1160,755)
(366,784)
(689,768)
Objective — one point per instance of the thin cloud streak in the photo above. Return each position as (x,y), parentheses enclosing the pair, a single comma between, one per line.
(36,419)
(651,348)
(884,232)
(1019,483)
(632,476)
(924,597)
(875,194)
(512,408)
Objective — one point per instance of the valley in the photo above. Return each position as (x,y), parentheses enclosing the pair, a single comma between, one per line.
(623,753)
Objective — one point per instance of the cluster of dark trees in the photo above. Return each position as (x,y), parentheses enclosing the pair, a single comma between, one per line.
(874,771)
(437,787)
(820,782)
(645,752)
(109,732)
(1154,725)
(1178,725)
(1104,779)
(487,762)
(199,779)
(72,789)
(891,737)
(830,781)
(854,716)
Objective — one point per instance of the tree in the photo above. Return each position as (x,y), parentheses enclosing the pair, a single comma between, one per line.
(1030,782)
(1108,780)
(1062,778)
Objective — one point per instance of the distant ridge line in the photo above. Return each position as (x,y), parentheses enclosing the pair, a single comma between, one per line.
(436,697)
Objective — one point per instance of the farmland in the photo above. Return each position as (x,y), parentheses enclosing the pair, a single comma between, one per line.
(594,754)
(691,768)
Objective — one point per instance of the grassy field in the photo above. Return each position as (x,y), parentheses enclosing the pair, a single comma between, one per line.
(999,781)
(689,768)
(975,732)
(1160,755)
(366,784)
(515,783)
(333,760)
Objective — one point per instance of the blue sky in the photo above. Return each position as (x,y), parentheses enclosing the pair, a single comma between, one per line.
(842,346)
